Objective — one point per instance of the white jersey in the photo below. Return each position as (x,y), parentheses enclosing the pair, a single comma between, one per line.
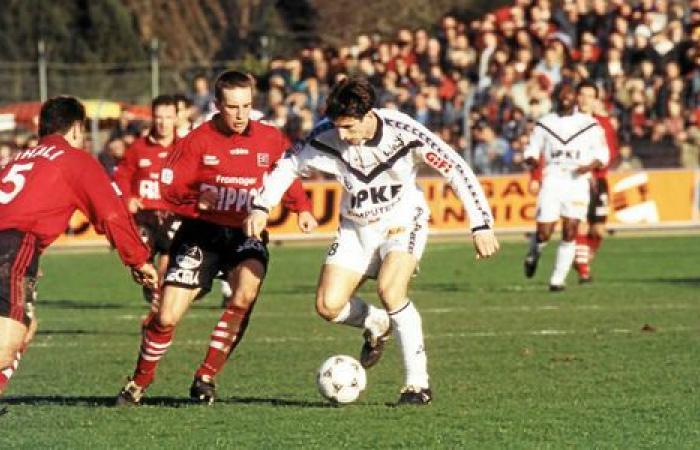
(379,177)
(567,142)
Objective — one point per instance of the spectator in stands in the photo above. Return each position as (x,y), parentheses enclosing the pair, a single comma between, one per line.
(112,154)
(202,98)
(628,160)
(489,151)
(7,151)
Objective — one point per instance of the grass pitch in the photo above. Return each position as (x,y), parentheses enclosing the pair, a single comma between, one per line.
(613,364)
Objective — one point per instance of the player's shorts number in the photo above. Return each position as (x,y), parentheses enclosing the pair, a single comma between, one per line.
(15,177)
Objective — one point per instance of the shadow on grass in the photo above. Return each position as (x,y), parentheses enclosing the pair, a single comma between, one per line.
(81,304)
(685,281)
(85,332)
(166,402)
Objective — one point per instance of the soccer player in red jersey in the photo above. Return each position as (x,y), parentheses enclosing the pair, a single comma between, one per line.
(138,177)
(39,192)
(590,232)
(212,177)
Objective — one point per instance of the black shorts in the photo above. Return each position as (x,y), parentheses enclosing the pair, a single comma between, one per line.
(157,229)
(201,251)
(19,264)
(599,205)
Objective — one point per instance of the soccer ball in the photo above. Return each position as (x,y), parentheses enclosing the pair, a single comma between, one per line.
(341,379)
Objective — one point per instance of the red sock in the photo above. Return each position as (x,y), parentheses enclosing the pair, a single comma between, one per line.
(7,372)
(225,338)
(582,256)
(155,342)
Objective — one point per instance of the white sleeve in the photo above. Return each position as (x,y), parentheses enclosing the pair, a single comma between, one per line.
(536,144)
(441,157)
(296,162)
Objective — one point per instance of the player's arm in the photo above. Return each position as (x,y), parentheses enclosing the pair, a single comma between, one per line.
(295,198)
(124,176)
(179,174)
(598,147)
(534,159)
(441,157)
(96,197)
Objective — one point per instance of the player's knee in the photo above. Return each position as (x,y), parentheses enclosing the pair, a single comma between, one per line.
(244,296)
(167,319)
(391,293)
(325,308)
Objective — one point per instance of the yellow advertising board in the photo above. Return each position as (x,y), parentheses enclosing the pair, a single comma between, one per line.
(637,199)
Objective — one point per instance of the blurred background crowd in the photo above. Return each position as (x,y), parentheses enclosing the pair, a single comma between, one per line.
(482,84)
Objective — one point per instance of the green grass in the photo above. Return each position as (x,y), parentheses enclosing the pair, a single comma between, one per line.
(512,366)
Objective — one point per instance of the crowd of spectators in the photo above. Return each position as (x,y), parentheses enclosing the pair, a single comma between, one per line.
(482,84)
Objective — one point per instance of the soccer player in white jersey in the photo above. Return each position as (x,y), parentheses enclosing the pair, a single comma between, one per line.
(570,144)
(374,154)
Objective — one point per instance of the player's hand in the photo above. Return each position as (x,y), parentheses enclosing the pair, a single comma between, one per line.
(206,201)
(485,243)
(255,223)
(533,187)
(147,276)
(306,221)
(134,204)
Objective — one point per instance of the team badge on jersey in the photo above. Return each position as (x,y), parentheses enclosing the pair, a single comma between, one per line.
(263,160)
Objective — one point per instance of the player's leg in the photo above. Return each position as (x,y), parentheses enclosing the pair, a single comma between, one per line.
(246,279)
(599,218)
(18,255)
(349,261)
(392,286)
(192,267)
(582,257)
(546,217)
(565,254)
(574,207)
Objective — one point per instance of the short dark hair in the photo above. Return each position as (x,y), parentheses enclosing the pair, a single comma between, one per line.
(59,114)
(350,97)
(163,100)
(232,79)
(587,84)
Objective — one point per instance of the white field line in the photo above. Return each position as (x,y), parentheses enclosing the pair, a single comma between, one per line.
(477,309)
(49,341)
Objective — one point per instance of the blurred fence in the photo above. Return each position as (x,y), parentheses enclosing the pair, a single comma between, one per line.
(131,83)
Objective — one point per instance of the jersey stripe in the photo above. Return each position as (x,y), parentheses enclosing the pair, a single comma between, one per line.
(566,141)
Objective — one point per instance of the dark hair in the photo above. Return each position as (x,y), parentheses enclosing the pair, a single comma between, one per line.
(163,100)
(587,84)
(59,114)
(350,97)
(231,79)
(182,98)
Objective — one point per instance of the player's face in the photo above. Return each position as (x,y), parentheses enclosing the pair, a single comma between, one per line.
(567,98)
(235,106)
(164,118)
(351,130)
(586,99)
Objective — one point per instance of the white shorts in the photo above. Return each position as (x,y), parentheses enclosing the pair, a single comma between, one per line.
(362,248)
(563,199)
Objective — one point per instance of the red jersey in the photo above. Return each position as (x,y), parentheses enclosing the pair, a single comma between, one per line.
(611,140)
(230,164)
(43,186)
(138,172)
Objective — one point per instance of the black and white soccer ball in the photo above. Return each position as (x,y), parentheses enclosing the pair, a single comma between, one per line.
(341,379)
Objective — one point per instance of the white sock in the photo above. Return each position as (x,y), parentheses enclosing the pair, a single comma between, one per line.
(226,289)
(408,329)
(360,314)
(565,257)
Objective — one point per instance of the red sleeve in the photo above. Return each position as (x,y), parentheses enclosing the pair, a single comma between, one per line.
(295,198)
(179,174)
(96,198)
(610,138)
(124,173)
